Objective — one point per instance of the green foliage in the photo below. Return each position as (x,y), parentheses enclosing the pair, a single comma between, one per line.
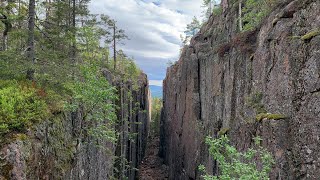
(238,165)
(255,11)
(212,7)
(128,69)
(192,29)
(155,115)
(20,106)
(262,116)
(95,95)
(71,49)
(217,11)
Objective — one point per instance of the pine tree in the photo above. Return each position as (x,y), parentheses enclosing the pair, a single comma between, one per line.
(240,15)
(191,30)
(5,13)
(115,37)
(30,43)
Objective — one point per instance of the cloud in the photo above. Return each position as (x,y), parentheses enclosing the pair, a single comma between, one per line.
(155,82)
(153,26)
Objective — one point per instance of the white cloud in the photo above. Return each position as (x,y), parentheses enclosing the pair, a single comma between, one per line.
(153,26)
(155,82)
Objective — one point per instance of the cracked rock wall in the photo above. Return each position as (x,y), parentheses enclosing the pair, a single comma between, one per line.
(224,79)
(58,148)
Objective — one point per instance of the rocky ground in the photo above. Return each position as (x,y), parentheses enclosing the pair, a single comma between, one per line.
(152,167)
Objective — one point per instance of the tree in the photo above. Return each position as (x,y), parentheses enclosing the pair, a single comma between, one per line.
(193,27)
(73,46)
(58,33)
(115,37)
(240,15)
(191,30)
(5,13)
(207,4)
(4,19)
(30,43)
(212,7)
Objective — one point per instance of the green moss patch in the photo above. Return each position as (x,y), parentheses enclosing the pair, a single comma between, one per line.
(310,35)
(223,131)
(262,116)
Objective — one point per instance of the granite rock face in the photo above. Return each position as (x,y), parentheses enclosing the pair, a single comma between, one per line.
(224,79)
(58,148)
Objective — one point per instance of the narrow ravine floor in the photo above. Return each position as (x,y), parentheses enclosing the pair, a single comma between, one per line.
(152,167)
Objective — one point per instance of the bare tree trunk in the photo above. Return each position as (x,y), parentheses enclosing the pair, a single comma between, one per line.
(5,42)
(7,28)
(114,47)
(47,9)
(210,8)
(19,25)
(240,15)
(73,48)
(4,19)
(31,49)
(107,59)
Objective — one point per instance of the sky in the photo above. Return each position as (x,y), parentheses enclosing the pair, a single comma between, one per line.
(154,28)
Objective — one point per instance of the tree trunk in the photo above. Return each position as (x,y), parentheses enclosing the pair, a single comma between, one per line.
(114,47)
(240,15)
(31,49)
(5,42)
(73,48)
(107,58)
(210,9)
(20,46)
(4,19)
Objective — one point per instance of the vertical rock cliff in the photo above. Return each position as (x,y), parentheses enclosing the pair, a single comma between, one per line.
(232,81)
(58,148)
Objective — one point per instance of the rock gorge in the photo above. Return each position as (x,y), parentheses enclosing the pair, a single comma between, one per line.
(225,79)
(264,82)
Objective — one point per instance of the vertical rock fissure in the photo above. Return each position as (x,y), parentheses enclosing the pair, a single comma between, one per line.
(199,87)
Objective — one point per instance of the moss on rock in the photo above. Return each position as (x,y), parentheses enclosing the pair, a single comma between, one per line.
(262,116)
(223,131)
(310,35)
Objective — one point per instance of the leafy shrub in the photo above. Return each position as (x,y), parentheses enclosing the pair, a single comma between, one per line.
(131,70)
(238,165)
(95,95)
(20,106)
(155,116)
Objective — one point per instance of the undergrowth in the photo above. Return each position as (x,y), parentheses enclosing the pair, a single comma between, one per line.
(21,105)
(238,165)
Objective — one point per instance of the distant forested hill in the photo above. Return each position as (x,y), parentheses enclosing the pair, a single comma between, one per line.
(156,91)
